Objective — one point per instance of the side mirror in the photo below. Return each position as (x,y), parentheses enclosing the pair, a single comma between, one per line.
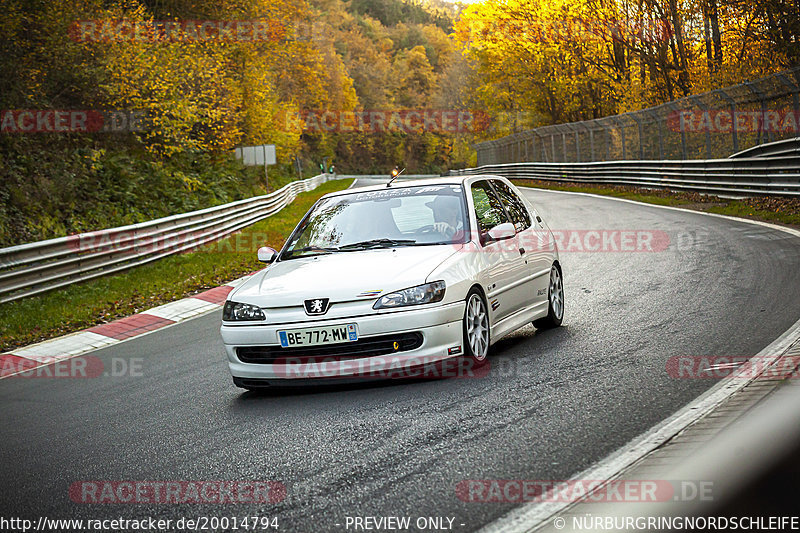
(267,254)
(506,230)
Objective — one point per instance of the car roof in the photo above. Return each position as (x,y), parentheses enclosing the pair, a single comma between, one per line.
(444,180)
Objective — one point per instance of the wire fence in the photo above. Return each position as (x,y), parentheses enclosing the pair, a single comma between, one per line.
(710,125)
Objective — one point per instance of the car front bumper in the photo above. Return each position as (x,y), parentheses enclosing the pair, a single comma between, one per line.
(440,327)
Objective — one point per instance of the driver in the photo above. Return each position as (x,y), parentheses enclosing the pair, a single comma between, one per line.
(446,217)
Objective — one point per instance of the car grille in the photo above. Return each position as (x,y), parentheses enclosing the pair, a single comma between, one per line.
(366,347)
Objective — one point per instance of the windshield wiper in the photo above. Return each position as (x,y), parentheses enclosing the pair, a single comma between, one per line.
(377,243)
(292,253)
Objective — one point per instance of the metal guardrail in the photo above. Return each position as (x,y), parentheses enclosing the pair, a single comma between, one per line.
(751,176)
(773,149)
(37,267)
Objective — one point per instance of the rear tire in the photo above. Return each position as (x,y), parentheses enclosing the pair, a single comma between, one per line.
(555,301)
(476,328)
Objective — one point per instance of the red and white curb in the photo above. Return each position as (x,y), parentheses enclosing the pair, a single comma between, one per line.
(52,351)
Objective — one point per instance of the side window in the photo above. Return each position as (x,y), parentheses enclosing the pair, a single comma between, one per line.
(488,208)
(516,208)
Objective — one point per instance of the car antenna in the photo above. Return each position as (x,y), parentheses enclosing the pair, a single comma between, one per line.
(395,174)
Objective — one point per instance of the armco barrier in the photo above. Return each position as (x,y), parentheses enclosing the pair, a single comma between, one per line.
(36,267)
(746,176)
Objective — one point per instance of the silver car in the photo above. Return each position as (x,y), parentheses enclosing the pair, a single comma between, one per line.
(385,280)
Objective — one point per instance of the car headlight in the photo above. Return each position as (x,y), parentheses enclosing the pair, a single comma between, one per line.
(239,311)
(421,294)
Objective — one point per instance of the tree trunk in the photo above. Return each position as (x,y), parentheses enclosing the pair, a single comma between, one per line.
(681,61)
(707,37)
(713,15)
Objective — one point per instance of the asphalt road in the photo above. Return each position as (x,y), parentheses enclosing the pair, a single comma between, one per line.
(553,404)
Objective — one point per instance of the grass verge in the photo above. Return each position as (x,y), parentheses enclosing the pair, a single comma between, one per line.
(767,208)
(102,300)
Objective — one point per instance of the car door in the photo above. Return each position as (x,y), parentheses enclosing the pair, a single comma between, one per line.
(534,252)
(501,258)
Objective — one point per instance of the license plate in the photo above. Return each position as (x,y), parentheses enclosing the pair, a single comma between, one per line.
(317,336)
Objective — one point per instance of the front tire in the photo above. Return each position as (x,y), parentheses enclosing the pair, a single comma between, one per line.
(555,302)
(476,327)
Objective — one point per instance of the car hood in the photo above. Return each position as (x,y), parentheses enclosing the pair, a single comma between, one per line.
(342,276)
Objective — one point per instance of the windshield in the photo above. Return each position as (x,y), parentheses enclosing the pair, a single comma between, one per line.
(407,216)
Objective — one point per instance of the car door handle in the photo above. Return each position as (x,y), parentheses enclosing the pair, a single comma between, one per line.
(521,251)
(538,219)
